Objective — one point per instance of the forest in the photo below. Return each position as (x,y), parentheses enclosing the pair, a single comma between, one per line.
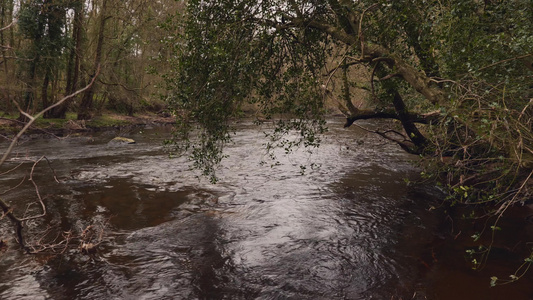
(51,49)
(448,82)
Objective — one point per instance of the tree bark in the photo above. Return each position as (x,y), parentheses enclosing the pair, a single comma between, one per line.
(366,114)
(409,126)
(414,77)
(44,92)
(73,66)
(2,39)
(29,93)
(86,106)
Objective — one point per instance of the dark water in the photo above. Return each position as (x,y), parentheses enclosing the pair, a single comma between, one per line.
(349,228)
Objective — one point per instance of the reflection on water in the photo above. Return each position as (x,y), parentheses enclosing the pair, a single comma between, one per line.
(350,229)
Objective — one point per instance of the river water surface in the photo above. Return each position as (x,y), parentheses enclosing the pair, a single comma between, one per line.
(348,228)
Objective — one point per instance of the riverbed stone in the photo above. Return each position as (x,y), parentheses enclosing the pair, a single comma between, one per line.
(121,141)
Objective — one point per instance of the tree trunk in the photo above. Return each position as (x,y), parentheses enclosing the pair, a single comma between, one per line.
(73,67)
(346,90)
(420,142)
(2,39)
(86,106)
(6,19)
(44,92)
(29,93)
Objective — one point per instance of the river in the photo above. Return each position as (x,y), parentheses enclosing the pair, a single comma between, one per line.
(350,227)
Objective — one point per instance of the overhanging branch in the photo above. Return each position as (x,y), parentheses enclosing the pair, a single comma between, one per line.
(361,114)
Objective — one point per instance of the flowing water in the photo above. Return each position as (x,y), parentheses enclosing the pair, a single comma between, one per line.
(348,228)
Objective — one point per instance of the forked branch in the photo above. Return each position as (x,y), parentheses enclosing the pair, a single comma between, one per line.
(7,209)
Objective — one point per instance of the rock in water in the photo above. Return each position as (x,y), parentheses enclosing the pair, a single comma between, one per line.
(121,141)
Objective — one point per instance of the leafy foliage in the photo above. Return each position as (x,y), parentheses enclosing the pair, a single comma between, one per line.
(43,23)
(227,61)
(469,60)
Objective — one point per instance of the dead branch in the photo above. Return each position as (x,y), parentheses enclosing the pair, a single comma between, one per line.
(14,187)
(41,113)
(43,206)
(7,209)
(504,61)
(9,25)
(54,241)
(52,169)
(403,142)
(11,170)
(390,76)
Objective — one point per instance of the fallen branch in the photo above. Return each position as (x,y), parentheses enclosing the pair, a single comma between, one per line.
(43,207)
(7,209)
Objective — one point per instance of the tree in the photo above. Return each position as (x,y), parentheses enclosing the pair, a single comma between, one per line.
(42,23)
(455,74)
(122,36)
(136,38)
(86,106)
(6,44)
(51,48)
(74,58)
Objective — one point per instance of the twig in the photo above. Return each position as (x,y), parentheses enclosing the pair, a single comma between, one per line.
(52,169)
(8,211)
(360,33)
(504,61)
(43,207)
(14,187)
(8,26)
(11,170)
(390,76)
(525,107)
(42,112)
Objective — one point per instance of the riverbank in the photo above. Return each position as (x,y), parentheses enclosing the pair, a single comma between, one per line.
(10,126)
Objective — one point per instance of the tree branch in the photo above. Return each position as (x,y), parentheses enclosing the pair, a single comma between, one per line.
(428,118)
(504,61)
(414,77)
(43,207)
(41,113)
(405,143)
(8,26)
(360,33)
(8,210)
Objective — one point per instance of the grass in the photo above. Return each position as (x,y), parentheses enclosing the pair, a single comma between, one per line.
(107,119)
(54,123)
